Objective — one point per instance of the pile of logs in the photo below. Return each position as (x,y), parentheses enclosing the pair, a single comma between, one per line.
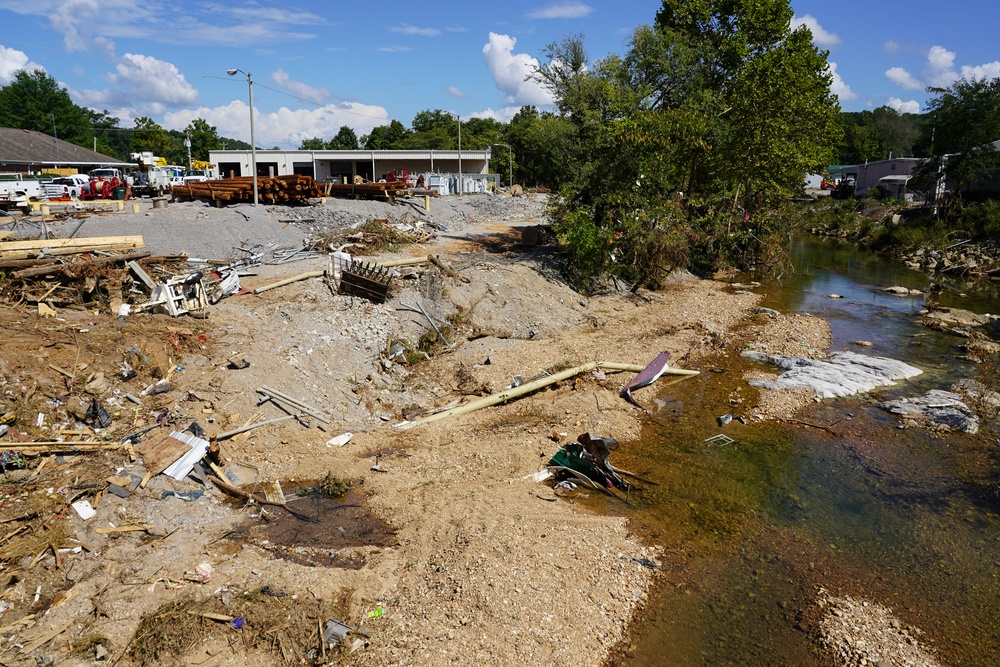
(280,189)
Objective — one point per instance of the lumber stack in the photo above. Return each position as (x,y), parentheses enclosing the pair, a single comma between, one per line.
(12,250)
(280,189)
(386,190)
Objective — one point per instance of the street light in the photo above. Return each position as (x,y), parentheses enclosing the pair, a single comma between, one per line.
(510,161)
(253,143)
(461,186)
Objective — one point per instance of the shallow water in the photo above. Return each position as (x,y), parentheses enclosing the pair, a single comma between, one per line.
(753,530)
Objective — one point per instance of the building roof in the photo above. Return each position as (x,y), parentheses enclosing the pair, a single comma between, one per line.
(29,147)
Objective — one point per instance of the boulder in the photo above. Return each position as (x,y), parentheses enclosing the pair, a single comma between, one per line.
(841,374)
(941,407)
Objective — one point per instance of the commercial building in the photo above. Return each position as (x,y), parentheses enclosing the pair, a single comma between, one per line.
(343,166)
(31,152)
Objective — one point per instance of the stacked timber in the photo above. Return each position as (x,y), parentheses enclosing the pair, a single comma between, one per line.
(280,189)
(385,190)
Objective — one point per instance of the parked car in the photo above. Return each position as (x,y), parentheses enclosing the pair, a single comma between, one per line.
(66,186)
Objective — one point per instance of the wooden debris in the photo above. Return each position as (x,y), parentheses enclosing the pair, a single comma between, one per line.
(289,281)
(26,249)
(123,529)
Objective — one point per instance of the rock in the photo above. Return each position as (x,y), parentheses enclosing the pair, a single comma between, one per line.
(836,296)
(767,311)
(901,291)
(841,374)
(864,343)
(949,318)
(941,407)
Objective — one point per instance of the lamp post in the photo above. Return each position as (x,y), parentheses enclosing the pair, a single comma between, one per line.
(510,162)
(461,186)
(253,143)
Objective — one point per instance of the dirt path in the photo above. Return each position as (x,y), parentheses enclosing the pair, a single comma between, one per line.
(469,560)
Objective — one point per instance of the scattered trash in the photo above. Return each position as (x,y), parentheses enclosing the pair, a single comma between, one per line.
(197,447)
(720,440)
(187,495)
(728,417)
(650,374)
(340,440)
(335,633)
(84,509)
(238,364)
(201,574)
(377,612)
(238,622)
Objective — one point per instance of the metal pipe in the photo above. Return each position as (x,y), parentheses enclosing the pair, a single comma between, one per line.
(293,402)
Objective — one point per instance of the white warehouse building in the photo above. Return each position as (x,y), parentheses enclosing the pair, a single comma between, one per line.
(343,166)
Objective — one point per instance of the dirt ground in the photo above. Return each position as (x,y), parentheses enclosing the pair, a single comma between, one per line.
(443,551)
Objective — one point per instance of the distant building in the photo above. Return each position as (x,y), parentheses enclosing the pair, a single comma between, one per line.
(31,152)
(870,173)
(345,165)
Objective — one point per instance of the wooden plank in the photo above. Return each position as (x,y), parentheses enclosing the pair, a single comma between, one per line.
(96,241)
(160,452)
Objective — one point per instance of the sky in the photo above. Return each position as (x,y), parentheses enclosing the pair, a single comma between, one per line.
(319,65)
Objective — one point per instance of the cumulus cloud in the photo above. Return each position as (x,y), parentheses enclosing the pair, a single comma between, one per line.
(455,91)
(140,85)
(311,93)
(940,72)
(13,61)
(821,36)
(912,106)
(940,69)
(502,115)
(901,77)
(571,9)
(838,87)
(407,29)
(511,72)
(285,127)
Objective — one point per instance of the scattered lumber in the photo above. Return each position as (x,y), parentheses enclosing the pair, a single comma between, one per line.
(71,268)
(73,246)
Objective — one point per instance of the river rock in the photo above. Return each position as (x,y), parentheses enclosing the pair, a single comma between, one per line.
(902,291)
(841,374)
(952,319)
(941,407)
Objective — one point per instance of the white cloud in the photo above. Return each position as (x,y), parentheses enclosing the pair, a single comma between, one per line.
(408,29)
(13,61)
(503,115)
(891,46)
(838,87)
(821,36)
(900,106)
(455,91)
(571,9)
(284,127)
(901,77)
(985,71)
(311,93)
(140,85)
(940,69)
(511,72)
(394,49)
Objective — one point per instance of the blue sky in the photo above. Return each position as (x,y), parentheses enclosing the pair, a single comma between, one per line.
(319,65)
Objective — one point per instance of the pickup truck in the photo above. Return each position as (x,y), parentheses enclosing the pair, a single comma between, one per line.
(66,186)
(17,189)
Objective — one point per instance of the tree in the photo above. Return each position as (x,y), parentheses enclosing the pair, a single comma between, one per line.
(345,140)
(111,139)
(35,101)
(385,137)
(964,123)
(149,136)
(204,138)
(313,144)
(715,114)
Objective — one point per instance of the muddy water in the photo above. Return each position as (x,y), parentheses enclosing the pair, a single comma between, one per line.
(753,530)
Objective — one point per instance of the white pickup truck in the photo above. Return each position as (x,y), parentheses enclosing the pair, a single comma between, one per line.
(66,186)
(17,189)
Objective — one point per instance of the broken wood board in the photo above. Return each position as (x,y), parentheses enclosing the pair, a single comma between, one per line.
(73,246)
(159,453)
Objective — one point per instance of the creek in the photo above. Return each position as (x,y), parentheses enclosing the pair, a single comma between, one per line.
(755,530)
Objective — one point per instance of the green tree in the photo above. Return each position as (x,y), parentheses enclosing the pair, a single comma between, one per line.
(204,138)
(35,101)
(386,137)
(345,140)
(149,136)
(714,115)
(964,122)
(111,139)
(313,144)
